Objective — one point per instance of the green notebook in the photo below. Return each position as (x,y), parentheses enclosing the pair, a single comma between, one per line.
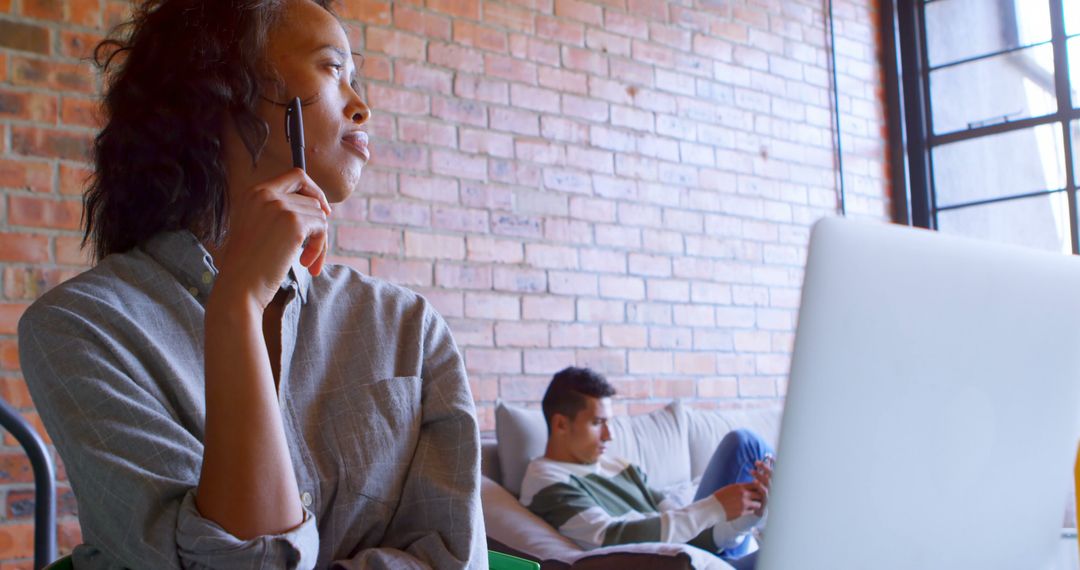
(500,561)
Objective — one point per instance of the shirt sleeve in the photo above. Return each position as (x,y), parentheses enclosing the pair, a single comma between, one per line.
(577,516)
(439,522)
(133,462)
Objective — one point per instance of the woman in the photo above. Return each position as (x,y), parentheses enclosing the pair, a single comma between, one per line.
(220,398)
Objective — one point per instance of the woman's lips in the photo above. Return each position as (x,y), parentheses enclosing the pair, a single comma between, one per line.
(358,142)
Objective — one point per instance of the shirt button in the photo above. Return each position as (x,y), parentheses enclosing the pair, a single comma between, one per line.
(305,498)
(207,277)
(194,292)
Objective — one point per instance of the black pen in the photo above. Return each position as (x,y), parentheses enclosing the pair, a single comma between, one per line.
(294,133)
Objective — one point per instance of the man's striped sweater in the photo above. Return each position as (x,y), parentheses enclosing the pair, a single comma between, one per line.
(609,502)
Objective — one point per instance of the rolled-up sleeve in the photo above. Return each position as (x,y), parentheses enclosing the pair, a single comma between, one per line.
(438,522)
(132,453)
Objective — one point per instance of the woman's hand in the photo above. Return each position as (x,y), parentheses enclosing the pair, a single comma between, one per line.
(269,225)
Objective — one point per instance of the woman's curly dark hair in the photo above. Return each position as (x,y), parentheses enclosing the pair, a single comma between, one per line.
(176,72)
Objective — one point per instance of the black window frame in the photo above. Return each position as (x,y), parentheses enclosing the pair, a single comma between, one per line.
(906,72)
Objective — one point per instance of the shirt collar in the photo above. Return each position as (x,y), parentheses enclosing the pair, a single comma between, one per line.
(181,253)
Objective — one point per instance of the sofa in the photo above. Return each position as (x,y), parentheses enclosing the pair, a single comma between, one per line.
(672,445)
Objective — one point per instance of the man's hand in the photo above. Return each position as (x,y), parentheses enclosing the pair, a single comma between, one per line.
(740,499)
(763,478)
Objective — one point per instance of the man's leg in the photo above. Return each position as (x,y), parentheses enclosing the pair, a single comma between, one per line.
(733,462)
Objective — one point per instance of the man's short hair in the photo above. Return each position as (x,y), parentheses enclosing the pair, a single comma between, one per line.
(568,389)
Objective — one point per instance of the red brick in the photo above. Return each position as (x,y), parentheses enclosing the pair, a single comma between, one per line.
(369,240)
(481,37)
(515,121)
(460,8)
(481,88)
(418,76)
(495,249)
(395,100)
(547,361)
(400,212)
(427,132)
(510,17)
(51,143)
(493,361)
(460,219)
(375,12)
(436,246)
(16,540)
(599,310)
(28,106)
(43,9)
(625,336)
(394,43)
(626,24)
(79,45)
(44,212)
(24,36)
(535,98)
(69,251)
(424,24)
(13,390)
(24,247)
(591,62)
(458,165)
(522,335)
(456,57)
(561,31)
(84,12)
(577,10)
(52,75)
(510,69)
(26,175)
(459,111)
(493,306)
(575,335)
(455,276)
(407,273)
(9,316)
(650,362)
(486,142)
(430,189)
(80,112)
(548,308)
(31,282)
(520,280)
(360,264)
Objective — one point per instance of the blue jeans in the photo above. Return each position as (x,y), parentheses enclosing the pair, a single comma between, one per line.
(733,462)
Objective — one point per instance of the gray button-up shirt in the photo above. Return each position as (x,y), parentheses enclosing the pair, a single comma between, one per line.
(373,393)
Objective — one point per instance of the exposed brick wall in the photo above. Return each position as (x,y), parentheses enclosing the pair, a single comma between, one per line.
(621,184)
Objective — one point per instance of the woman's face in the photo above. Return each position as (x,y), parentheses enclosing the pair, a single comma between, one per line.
(310,52)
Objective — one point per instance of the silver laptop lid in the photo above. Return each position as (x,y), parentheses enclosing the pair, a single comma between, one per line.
(932,412)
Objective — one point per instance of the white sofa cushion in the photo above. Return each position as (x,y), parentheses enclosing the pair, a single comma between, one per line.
(657,442)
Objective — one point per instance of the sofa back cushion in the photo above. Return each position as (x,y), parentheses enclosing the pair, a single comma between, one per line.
(657,442)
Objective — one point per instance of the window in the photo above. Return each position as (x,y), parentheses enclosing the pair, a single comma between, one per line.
(986,114)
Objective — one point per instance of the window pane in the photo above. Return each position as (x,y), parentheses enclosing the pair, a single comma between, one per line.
(959,29)
(1002,88)
(1072,17)
(1041,222)
(995,166)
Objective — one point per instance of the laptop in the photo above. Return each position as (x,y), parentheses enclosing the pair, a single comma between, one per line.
(932,412)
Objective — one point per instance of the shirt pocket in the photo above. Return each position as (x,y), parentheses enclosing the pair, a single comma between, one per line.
(378,437)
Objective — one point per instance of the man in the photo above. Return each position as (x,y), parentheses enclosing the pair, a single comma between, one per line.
(598,500)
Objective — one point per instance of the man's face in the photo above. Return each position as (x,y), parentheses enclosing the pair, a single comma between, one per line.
(587,434)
